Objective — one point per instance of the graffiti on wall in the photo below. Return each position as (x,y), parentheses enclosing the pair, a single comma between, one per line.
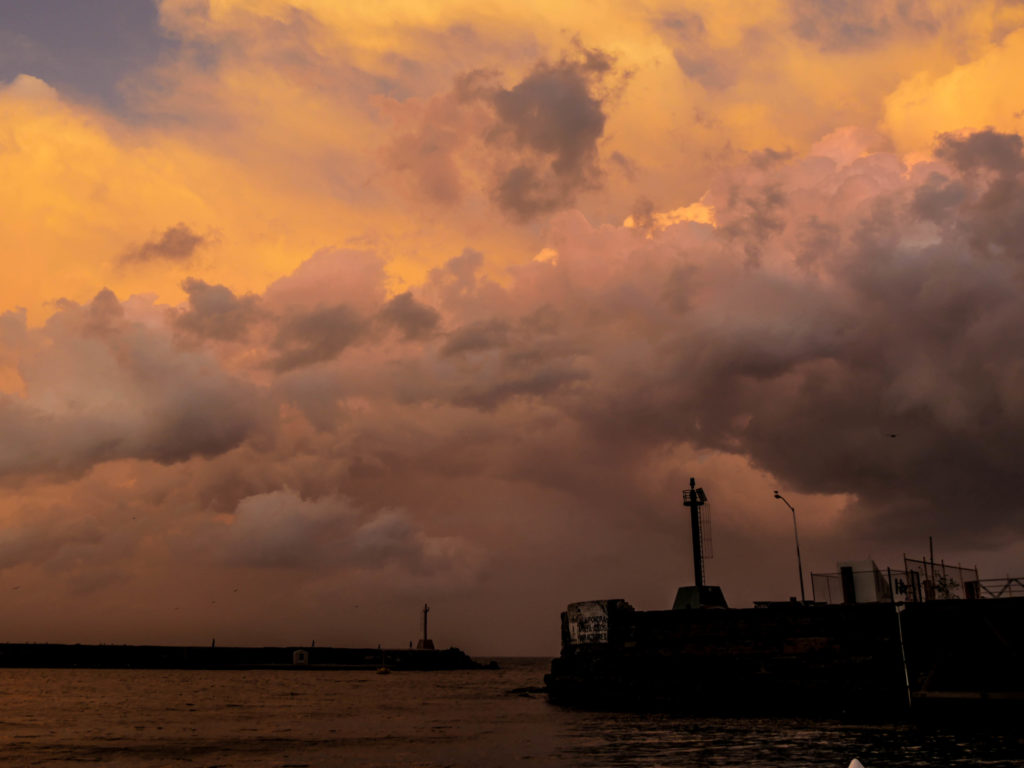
(588,622)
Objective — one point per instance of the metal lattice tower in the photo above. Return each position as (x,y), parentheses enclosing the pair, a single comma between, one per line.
(695,499)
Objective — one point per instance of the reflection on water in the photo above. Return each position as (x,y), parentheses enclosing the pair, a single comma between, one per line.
(631,740)
(311,718)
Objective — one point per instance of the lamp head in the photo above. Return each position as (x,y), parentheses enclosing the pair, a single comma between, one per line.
(777,495)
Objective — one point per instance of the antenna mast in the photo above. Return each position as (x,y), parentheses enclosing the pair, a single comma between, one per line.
(699,595)
(695,499)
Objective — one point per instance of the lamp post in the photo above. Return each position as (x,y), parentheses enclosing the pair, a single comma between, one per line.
(799,562)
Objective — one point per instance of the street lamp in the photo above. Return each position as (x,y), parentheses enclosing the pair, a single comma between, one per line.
(799,562)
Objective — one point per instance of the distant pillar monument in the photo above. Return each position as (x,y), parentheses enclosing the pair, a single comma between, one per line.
(425,643)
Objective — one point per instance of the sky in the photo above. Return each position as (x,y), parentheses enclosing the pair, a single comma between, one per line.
(314,312)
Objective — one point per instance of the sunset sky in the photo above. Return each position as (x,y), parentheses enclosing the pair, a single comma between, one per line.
(314,311)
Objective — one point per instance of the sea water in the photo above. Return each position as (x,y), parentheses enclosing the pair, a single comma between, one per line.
(68,717)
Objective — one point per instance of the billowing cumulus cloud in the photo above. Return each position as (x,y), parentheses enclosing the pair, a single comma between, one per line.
(538,138)
(100,385)
(316,336)
(488,286)
(477,336)
(413,319)
(878,295)
(215,312)
(281,530)
(869,353)
(869,313)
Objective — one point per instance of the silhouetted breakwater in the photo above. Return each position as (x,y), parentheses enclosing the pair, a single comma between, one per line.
(962,656)
(34,655)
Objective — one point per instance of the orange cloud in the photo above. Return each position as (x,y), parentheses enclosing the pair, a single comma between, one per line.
(977,94)
(442,286)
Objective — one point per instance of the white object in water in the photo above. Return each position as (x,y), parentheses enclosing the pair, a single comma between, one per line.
(855,763)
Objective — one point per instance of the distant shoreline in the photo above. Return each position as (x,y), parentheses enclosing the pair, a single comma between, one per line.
(293,657)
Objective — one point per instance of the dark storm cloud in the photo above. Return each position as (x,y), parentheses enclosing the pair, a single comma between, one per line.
(896,377)
(768,157)
(85,49)
(643,214)
(100,386)
(487,397)
(984,149)
(993,220)
(909,401)
(841,25)
(104,312)
(316,337)
(537,140)
(476,337)
(760,215)
(215,312)
(553,112)
(524,192)
(459,288)
(934,199)
(177,243)
(694,54)
(816,239)
(555,116)
(459,272)
(823,315)
(413,319)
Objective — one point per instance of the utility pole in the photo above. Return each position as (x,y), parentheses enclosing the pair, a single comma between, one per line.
(799,563)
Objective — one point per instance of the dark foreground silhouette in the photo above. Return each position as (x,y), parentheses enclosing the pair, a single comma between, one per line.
(965,657)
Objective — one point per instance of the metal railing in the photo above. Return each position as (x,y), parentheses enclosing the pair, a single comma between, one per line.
(939,581)
(864,586)
(919,581)
(1009,587)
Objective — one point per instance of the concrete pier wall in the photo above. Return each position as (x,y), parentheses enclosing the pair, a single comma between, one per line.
(790,657)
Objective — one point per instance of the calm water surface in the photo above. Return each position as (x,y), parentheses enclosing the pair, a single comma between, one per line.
(429,719)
